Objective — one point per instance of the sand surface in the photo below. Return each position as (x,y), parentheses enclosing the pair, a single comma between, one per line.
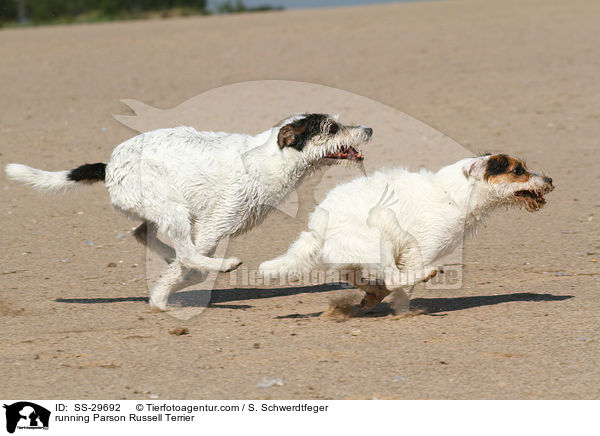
(517,77)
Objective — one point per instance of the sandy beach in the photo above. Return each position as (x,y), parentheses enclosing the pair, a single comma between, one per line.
(515,77)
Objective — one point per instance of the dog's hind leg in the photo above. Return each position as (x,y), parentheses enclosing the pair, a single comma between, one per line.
(147,234)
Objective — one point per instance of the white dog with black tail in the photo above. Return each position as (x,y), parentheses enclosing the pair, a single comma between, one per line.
(198,187)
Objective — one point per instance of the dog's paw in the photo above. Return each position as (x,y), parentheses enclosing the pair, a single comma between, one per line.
(268,273)
(431,272)
(269,270)
(157,306)
(269,276)
(230,264)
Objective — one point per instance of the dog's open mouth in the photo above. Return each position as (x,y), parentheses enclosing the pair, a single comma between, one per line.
(346,152)
(532,200)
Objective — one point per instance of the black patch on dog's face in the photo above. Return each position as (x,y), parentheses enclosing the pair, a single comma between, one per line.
(496,165)
(297,133)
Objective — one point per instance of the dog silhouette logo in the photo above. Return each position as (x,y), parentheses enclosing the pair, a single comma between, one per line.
(26,415)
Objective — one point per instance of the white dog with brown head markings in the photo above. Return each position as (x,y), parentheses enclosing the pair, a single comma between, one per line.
(386,232)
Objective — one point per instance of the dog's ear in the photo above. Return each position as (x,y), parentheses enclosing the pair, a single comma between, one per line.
(293,135)
(475,168)
(286,136)
(298,132)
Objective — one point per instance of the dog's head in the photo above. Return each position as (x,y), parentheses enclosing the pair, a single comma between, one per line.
(509,180)
(321,138)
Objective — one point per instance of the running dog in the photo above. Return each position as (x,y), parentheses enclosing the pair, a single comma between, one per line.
(198,187)
(419,218)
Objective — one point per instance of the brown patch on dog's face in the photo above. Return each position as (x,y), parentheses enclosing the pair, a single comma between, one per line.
(502,168)
(524,188)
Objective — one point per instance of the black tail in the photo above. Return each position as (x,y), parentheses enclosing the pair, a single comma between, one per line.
(88,173)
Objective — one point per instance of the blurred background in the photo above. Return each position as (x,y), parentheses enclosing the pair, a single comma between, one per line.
(28,12)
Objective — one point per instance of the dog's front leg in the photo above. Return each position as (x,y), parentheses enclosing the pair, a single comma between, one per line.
(374,292)
(190,277)
(165,286)
(199,261)
(194,256)
(199,254)
(400,300)
(396,279)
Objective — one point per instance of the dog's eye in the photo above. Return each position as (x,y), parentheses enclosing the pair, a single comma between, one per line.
(519,171)
(333,129)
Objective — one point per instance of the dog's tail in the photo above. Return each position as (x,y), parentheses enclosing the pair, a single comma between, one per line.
(56,181)
(304,254)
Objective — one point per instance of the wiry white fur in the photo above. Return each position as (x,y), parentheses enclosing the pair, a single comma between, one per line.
(394,225)
(198,187)
(46,181)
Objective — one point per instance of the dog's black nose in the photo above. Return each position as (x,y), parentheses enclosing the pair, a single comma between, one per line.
(548,180)
(369,131)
